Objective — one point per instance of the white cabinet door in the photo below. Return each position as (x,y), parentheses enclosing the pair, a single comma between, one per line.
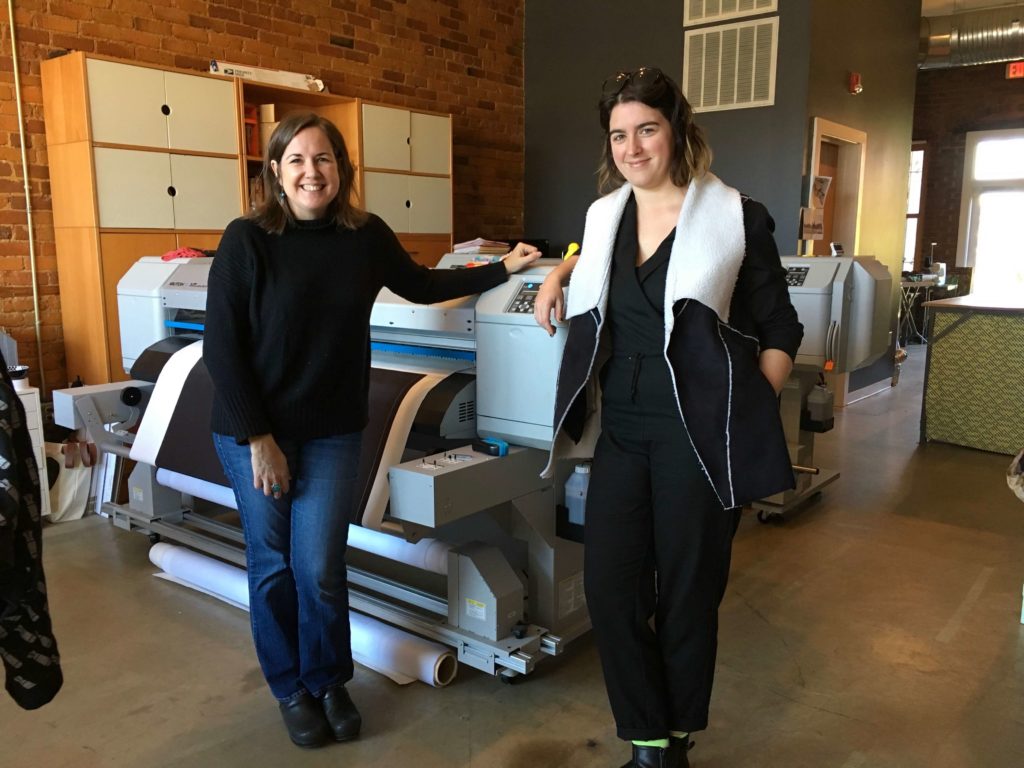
(431,143)
(421,204)
(385,138)
(125,104)
(150,108)
(430,208)
(132,189)
(155,190)
(206,191)
(387,195)
(202,114)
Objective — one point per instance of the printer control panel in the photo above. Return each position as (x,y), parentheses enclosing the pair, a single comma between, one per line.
(522,303)
(795,276)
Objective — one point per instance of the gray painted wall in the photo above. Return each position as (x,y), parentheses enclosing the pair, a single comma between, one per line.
(573,45)
(761,151)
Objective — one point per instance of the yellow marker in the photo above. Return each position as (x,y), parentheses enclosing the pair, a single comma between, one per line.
(572,250)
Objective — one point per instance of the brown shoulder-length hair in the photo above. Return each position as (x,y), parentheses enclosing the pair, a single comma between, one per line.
(691,155)
(273,213)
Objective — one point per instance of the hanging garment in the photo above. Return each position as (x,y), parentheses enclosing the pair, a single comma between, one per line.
(27,645)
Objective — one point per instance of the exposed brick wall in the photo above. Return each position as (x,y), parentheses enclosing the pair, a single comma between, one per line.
(458,56)
(949,104)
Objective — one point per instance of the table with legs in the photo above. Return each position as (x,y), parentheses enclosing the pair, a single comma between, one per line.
(907,327)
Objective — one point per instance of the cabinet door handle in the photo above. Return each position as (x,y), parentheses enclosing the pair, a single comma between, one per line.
(165,109)
(172,191)
(408,203)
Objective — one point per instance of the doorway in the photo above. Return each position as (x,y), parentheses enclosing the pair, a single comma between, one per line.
(839,152)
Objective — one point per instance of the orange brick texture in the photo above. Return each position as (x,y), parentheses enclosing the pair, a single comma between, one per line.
(459,56)
(949,104)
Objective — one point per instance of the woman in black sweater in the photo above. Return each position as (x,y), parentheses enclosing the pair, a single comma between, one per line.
(287,347)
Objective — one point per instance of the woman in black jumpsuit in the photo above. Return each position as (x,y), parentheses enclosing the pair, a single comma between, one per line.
(679,306)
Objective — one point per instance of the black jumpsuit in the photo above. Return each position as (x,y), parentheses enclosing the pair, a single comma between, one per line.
(658,542)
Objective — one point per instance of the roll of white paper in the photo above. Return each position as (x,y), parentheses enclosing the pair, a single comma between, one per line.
(193,486)
(386,649)
(428,554)
(202,573)
(399,655)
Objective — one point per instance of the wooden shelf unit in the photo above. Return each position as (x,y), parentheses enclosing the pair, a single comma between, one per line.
(115,128)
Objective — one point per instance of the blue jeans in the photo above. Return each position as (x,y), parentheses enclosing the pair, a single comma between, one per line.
(295,553)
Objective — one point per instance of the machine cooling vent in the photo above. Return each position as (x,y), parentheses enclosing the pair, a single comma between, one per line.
(467,411)
(706,11)
(731,66)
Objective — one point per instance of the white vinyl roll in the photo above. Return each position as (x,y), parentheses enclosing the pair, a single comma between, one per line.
(399,655)
(193,486)
(203,573)
(428,554)
(391,651)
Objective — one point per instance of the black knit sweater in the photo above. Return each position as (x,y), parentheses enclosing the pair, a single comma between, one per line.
(287,322)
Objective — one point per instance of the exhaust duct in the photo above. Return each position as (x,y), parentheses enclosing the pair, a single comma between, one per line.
(980,37)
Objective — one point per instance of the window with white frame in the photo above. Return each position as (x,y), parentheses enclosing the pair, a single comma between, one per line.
(990,210)
(915,184)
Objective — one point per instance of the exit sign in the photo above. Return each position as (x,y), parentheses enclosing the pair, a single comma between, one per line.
(1014,70)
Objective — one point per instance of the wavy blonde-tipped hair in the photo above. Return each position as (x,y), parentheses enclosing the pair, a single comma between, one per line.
(691,155)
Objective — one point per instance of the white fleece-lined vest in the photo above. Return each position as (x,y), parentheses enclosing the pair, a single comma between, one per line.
(727,406)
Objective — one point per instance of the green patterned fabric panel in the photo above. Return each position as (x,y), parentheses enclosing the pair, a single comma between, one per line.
(975,389)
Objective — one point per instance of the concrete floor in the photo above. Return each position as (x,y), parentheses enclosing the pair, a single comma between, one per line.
(879,628)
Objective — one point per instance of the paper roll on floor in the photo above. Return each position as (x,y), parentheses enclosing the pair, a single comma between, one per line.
(391,651)
(202,573)
(399,655)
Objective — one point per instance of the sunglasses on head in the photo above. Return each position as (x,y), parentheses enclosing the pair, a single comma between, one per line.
(644,76)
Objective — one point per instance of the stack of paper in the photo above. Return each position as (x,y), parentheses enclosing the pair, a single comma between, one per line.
(480,245)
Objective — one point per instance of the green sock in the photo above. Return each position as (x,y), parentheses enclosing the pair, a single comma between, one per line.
(678,734)
(660,743)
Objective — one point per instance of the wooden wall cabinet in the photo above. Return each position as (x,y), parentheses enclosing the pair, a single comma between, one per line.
(144,160)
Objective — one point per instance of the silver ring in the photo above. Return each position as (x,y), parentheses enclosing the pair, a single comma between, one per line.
(275,488)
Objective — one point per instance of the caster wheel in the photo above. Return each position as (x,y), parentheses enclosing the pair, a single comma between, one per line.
(507,677)
(154,538)
(763,517)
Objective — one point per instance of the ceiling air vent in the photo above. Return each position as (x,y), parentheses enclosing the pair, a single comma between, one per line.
(706,11)
(731,66)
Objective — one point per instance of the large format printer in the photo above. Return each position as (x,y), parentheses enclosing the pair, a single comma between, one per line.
(845,306)
(470,550)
